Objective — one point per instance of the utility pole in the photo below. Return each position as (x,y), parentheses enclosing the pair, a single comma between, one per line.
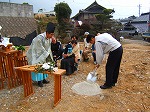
(149,23)
(139,9)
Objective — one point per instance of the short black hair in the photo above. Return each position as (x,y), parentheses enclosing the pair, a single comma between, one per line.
(73,42)
(89,37)
(74,36)
(50,27)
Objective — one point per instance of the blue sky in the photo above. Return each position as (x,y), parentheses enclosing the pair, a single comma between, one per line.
(123,8)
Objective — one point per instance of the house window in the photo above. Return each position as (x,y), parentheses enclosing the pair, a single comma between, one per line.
(85,16)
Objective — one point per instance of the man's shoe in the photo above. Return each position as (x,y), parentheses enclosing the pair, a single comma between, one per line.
(45,81)
(95,62)
(105,87)
(40,84)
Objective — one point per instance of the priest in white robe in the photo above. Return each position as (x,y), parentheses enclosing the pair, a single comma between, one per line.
(39,51)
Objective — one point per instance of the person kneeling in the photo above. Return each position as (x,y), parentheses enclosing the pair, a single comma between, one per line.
(69,60)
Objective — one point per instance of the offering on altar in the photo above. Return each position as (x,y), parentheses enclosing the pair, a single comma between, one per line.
(49,66)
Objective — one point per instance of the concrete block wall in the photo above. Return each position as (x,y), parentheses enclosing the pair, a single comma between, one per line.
(16,10)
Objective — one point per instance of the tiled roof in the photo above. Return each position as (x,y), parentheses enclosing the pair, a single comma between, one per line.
(141,22)
(142,18)
(17,26)
(142,27)
(94,8)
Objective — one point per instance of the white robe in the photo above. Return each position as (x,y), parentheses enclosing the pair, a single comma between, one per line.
(39,50)
(37,53)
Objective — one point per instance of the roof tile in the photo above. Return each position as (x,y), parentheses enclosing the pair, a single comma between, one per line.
(17,26)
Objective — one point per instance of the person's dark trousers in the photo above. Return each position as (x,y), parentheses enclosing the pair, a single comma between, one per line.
(94,56)
(68,64)
(113,66)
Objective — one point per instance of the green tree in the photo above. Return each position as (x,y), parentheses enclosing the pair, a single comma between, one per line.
(40,10)
(63,13)
(104,18)
(25,3)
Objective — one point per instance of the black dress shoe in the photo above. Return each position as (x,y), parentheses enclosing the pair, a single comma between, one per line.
(45,81)
(40,84)
(105,87)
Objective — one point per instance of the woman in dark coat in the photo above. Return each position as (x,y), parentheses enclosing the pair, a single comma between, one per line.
(68,62)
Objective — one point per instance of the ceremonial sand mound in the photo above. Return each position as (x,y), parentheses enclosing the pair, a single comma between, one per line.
(86,88)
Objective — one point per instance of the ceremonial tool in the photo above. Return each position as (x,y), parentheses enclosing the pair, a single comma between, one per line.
(92,76)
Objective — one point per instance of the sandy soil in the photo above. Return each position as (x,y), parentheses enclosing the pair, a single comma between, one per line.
(131,94)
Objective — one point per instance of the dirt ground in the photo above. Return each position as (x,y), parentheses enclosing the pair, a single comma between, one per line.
(131,94)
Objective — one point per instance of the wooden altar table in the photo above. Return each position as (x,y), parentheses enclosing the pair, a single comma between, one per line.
(7,67)
(9,59)
(27,81)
